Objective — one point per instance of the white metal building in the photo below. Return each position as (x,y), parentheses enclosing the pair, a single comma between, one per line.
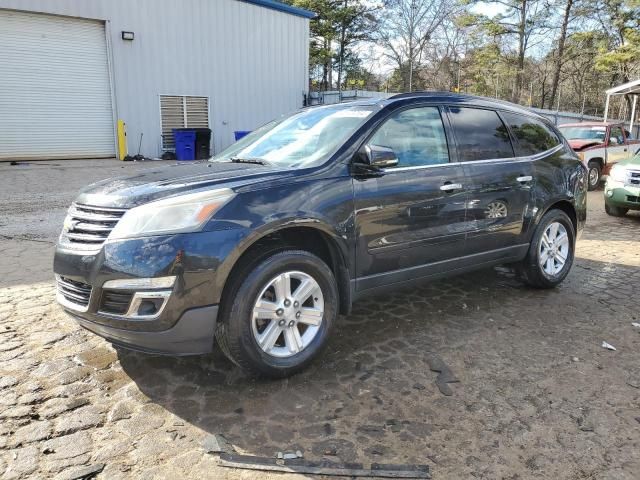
(69,71)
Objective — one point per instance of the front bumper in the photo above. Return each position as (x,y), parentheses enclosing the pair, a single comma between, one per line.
(618,194)
(191,335)
(135,274)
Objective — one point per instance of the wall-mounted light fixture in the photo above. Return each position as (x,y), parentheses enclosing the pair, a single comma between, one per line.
(127,35)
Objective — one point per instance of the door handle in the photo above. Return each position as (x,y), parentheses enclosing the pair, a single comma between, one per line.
(524,178)
(450,187)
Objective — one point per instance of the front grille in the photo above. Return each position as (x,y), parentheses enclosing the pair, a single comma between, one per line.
(634,177)
(87,227)
(633,199)
(115,302)
(73,293)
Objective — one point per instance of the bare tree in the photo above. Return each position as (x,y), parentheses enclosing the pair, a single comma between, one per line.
(560,52)
(526,22)
(407,27)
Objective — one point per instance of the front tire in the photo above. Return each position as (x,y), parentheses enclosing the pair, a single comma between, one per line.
(551,252)
(281,314)
(615,211)
(595,174)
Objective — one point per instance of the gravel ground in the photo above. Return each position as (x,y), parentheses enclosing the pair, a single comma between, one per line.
(537,396)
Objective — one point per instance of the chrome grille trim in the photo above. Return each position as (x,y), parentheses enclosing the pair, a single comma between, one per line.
(95,214)
(93,227)
(87,227)
(86,237)
(72,294)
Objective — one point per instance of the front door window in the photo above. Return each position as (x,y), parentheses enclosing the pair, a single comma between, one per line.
(616,137)
(416,136)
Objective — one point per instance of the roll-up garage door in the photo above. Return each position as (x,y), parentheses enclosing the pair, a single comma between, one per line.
(55,96)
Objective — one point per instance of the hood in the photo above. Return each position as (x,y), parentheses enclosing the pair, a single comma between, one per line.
(633,162)
(154,184)
(578,144)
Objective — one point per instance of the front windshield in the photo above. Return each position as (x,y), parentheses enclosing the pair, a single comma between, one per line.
(302,139)
(595,133)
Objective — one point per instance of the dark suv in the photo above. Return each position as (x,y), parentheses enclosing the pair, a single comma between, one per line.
(262,246)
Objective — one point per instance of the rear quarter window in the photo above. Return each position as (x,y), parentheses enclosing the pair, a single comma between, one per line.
(532,135)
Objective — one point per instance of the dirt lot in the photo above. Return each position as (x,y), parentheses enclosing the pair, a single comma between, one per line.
(537,397)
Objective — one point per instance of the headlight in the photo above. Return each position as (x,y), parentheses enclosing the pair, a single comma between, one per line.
(185,213)
(618,173)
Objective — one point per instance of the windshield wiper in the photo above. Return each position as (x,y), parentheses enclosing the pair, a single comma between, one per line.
(257,161)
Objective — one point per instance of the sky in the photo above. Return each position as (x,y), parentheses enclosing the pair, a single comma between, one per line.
(489,9)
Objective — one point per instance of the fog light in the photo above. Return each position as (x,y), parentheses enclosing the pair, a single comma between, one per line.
(134,305)
(149,307)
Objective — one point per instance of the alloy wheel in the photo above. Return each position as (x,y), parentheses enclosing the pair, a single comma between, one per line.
(496,210)
(287,314)
(594,177)
(554,248)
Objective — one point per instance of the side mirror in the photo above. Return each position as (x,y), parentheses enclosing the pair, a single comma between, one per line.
(378,156)
(613,141)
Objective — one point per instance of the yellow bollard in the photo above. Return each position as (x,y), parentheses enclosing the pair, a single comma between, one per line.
(122,140)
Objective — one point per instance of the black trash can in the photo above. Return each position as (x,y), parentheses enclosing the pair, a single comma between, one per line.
(203,143)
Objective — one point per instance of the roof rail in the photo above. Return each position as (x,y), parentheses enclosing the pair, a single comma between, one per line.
(419,93)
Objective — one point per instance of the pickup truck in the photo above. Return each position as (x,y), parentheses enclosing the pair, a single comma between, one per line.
(600,145)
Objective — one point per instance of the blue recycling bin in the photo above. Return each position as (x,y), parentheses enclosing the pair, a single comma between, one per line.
(241,133)
(185,140)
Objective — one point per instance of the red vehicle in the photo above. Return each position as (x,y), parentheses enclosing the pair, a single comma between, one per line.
(600,145)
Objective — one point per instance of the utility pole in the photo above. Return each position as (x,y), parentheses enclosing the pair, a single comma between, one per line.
(412,27)
(410,74)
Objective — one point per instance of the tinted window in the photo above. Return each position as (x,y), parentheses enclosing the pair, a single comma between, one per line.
(481,135)
(533,135)
(416,136)
(616,136)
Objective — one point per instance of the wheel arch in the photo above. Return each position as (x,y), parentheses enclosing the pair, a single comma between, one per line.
(567,207)
(598,160)
(314,237)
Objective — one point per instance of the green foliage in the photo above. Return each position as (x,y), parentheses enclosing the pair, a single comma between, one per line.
(513,55)
(337,27)
(621,21)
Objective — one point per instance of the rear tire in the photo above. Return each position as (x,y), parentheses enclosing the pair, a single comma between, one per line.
(551,252)
(594,176)
(615,211)
(272,326)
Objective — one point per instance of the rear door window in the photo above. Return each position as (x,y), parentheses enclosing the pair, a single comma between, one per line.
(480,134)
(532,135)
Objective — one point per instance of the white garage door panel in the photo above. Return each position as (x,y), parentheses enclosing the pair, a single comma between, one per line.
(55,98)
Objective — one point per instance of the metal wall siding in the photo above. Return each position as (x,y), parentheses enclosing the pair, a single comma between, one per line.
(55,98)
(249,60)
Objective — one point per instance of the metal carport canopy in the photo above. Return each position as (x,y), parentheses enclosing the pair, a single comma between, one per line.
(629,88)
